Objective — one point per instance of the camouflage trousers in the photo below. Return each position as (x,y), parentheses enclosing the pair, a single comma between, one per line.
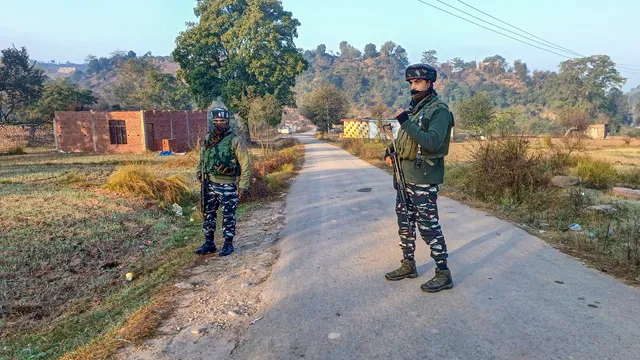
(225,196)
(423,211)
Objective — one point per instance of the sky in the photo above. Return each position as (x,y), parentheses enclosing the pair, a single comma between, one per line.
(69,30)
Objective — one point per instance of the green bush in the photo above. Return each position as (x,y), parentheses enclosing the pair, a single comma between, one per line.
(596,173)
(505,168)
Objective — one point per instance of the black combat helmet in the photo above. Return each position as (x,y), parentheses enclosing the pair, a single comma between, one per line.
(421,71)
(217,113)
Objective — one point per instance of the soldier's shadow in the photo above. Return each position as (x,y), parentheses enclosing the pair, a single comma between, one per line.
(461,269)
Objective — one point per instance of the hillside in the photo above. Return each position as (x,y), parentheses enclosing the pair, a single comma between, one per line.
(373,77)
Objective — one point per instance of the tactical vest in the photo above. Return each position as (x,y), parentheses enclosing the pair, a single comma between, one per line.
(408,149)
(222,159)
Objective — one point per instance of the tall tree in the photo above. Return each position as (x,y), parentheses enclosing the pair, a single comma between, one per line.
(370,51)
(239,49)
(325,106)
(265,113)
(430,57)
(477,113)
(143,86)
(21,83)
(387,48)
(62,96)
(584,82)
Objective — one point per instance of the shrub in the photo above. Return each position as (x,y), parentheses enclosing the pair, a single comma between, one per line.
(548,142)
(596,173)
(505,168)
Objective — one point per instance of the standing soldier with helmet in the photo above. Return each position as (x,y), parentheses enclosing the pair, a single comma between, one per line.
(422,143)
(224,169)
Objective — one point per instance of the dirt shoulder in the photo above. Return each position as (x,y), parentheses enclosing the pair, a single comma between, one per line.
(219,298)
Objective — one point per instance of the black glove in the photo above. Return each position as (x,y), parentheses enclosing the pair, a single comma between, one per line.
(243,193)
(402,117)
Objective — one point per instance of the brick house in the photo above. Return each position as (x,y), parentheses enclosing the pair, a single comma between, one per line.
(128,131)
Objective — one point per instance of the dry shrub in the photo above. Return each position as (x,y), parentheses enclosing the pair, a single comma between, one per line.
(364,148)
(596,173)
(140,181)
(548,142)
(190,160)
(505,168)
(273,162)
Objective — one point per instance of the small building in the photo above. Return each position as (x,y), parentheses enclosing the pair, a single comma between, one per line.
(128,131)
(597,131)
(367,128)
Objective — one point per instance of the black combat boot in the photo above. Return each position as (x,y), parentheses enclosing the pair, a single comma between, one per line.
(208,247)
(227,248)
(407,270)
(442,281)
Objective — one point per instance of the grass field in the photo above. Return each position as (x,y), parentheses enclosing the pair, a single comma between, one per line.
(66,243)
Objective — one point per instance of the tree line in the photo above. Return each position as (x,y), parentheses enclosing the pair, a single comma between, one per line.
(249,63)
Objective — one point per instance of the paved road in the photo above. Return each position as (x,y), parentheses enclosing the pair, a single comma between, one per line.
(515,296)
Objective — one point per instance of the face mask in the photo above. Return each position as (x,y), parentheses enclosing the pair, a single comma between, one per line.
(220,129)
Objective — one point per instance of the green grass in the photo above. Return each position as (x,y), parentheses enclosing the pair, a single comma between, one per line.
(66,243)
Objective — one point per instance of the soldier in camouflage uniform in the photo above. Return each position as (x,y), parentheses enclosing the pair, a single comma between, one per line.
(226,159)
(423,142)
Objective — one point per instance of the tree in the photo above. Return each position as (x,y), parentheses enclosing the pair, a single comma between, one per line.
(402,56)
(321,49)
(379,111)
(240,49)
(325,106)
(21,83)
(387,48)
(584,82)
(143,86)
(457,63)
(521,70)
(477,113)
(62,96)
(430,57)
(347,51)
(370,51)
(574,118)
(265,113)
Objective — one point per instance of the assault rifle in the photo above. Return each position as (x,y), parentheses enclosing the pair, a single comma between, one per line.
(398,175)
(204,182)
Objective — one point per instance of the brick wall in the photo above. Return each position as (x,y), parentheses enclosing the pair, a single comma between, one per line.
(26,135)
(88,131)
(76,130)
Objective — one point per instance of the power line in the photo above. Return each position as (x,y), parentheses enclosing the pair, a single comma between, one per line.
(621,66)
(511,37)
(511,31)
(495,31)
(515,27)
